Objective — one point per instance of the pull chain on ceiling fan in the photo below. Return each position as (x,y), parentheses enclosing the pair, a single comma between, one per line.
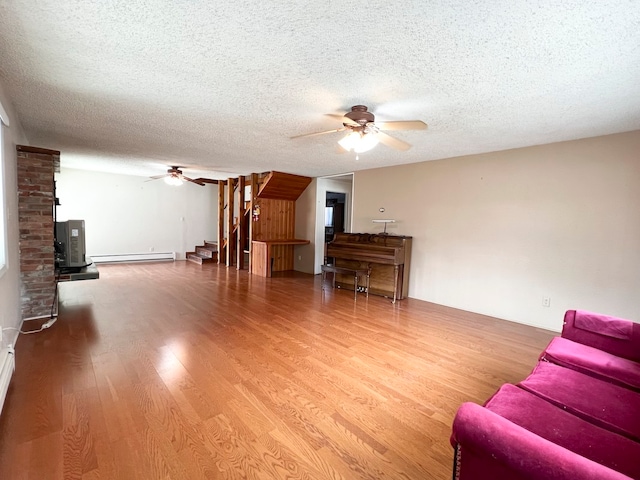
(363,133)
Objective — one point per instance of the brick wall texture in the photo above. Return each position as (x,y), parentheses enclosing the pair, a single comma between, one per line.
(35,212)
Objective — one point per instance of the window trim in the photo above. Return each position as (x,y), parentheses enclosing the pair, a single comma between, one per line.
(4,250)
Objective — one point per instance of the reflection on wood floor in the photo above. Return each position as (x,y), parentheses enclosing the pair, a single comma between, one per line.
(182,371)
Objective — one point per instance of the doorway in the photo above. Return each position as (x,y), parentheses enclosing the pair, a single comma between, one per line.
(336,192)
(334,217)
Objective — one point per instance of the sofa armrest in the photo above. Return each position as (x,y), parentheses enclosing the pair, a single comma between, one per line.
(616,336)
(490,446)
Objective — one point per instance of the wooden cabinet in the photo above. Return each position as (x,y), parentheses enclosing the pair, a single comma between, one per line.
(268,256)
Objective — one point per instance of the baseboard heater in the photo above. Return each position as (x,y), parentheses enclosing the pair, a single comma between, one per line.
(134,257)
(7,366)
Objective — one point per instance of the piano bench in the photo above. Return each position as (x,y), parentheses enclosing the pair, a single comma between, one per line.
(354,272)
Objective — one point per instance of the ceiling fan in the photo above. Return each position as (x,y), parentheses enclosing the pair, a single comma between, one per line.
(174,176)
(363,133)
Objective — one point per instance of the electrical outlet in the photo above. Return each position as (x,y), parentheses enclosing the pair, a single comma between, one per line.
(546,301)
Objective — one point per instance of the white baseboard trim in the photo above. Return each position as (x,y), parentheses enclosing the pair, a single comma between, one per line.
(7,366)
(48,315)
(133,257)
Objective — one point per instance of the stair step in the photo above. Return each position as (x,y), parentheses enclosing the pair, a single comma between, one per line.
(192,257)
(211,243)
(195,258)
(208,252)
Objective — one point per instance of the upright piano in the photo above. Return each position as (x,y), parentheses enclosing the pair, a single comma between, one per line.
(388,257)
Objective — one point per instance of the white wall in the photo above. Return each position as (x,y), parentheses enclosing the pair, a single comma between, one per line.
(10,316)
(125,214)
(495,233)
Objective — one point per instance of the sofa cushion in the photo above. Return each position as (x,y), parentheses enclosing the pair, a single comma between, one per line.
(604,325)
(617,336)
(566,430)
(594,362)
(609,406)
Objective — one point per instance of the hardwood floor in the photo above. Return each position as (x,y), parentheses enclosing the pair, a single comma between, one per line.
(182,371)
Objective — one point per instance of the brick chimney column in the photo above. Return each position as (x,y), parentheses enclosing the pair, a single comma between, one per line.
(36,167)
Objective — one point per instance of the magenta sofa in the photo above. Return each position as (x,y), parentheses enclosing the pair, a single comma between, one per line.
(576,416)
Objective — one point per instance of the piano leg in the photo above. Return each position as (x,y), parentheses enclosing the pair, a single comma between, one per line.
(396,271)
(368,279)
(355,286)
(324,279)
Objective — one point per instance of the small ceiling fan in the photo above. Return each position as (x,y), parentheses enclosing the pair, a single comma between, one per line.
(363,133)
(174,176)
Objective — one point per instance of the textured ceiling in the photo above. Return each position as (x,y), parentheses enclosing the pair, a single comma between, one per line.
(131,86)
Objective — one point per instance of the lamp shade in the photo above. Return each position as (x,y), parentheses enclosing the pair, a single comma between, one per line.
(172,180)
(349,140)
(367,142)
(359,142)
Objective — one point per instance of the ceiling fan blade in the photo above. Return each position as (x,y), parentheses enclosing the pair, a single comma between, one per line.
(392,142)
(343,119)
(156,177)
(319,133)
(192,180)
(403,125)
(205,180)
(341,150)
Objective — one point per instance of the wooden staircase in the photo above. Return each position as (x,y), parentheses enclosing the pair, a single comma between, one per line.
(204,253)
(268,213)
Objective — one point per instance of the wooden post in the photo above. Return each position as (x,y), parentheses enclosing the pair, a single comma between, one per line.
(221,185)
(254,193)
(242,229)
(230,232)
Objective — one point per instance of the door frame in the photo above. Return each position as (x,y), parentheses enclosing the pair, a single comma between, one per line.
(342,183)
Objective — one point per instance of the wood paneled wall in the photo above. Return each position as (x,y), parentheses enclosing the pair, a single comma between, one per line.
(282,258)
(277,220)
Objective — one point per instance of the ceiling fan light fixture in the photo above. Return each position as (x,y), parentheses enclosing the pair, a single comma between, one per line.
(349,141)
(367,142)
(359,142)
(173,180)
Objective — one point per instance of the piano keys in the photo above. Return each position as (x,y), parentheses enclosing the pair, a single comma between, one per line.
(388,256)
